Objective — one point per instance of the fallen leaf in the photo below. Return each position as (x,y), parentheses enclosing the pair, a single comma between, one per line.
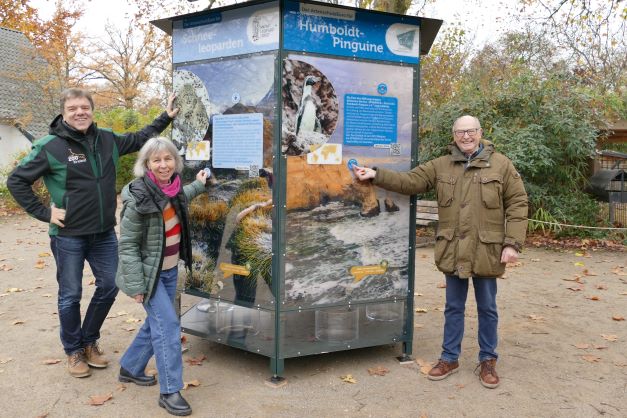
(536,317)
(600,347)
(417,294)
(6,267)
(578,254)
(129,329)
(579,264)
(619,271)
(610,337)
(121,387)
(43,415)
(618,318)
(535,260)
(591,359)
(587,272)
(582,346)
(514,265)
(194,383)
(122,313)
(40,264)
(424,366)
(98,400)
(593,298)
(132,320)
(420,310)
(14,290)
(460,386)
(441,285)
(623,293)
(601,286)
(378,371)
(51,361)
(91,282)
(574,289)
(196,361)
(43,255)
(18,322)
(348,378)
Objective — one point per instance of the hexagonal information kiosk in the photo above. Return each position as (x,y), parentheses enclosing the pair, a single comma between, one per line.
(292,255)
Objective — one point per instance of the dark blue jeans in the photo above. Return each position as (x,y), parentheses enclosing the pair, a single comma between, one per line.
(485,295)
(159,336)
(70,253)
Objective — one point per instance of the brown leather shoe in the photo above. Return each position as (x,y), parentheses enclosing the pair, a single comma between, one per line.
(443,369)
(95,356)
(76,364)
(487,374)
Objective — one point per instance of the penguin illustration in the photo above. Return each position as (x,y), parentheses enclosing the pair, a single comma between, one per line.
(306,119)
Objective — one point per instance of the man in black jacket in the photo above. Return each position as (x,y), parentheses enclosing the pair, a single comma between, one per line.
(78,163)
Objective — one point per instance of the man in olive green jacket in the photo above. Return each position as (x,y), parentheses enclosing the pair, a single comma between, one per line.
(482,208)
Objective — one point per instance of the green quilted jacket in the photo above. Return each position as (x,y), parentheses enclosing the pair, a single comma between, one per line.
(142,234)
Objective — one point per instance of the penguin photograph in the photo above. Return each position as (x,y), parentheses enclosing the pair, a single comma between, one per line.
(310,108)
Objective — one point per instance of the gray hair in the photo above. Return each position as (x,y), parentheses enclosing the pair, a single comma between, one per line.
(74,93)
(152,146)
(467,116)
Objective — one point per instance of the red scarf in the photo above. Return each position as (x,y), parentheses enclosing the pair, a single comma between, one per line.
(171,189)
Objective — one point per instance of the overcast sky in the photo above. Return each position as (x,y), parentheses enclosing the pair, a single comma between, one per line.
(483,19)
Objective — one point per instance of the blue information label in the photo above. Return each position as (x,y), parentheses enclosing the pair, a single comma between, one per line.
(370,120)
(350,32)
(223,34)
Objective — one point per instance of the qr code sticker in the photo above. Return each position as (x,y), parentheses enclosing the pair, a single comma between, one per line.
(395,149)
(253,171)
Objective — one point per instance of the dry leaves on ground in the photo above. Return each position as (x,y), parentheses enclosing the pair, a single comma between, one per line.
(97,400)
(536,318)
(378,371)
(618,318)
(51,361)
(591,359)
(194,383)
(425,366)
(610,337)
(420,310)
(348,378)
(582,346)
(593,297)
(196,361)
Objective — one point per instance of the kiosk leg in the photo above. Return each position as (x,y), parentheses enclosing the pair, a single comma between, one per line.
(406,357)
(276,368)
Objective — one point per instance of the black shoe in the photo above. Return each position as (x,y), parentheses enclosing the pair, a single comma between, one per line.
(175,404)
(143,380)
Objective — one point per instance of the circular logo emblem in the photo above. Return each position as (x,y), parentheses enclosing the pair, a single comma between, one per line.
(235,98)
(382,88)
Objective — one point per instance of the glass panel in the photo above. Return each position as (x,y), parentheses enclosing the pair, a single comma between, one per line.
(345,241)
(251,329)
(231,225)
(315,331)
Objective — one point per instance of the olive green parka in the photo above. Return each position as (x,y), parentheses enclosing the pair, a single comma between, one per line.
(482,207)
(142,234)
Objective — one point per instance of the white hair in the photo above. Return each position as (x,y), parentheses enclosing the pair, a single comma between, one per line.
(152,146)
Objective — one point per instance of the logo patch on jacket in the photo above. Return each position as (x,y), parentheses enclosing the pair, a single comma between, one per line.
(76,158)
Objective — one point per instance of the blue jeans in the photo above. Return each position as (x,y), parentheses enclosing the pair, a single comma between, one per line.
(485,295)
(101,252)
(160,335)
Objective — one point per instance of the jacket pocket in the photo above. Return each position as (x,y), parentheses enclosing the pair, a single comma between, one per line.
(445,251)
(491,191)
(445,190)
(487,261)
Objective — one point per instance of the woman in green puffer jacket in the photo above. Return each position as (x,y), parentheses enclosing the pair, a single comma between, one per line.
(154,235)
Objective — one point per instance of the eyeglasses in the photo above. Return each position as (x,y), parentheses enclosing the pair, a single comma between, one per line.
(470,132)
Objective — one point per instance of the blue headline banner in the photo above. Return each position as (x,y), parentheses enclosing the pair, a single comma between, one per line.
(350,33)
(224,34)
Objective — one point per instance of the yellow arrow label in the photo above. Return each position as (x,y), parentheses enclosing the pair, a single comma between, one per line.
(359,272)
(230,269)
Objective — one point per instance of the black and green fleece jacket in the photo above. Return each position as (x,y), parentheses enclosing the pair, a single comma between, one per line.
(79,171)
